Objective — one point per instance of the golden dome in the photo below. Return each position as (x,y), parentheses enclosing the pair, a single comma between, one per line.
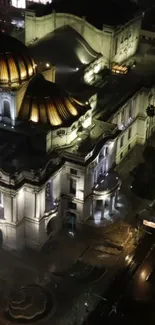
(16,65)
(46,103)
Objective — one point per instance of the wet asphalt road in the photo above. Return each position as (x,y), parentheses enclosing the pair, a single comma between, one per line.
(130,294)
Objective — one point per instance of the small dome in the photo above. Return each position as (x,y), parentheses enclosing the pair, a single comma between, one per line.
(46,103)
(16,65)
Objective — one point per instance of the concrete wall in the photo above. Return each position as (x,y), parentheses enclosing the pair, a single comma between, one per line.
(127,38)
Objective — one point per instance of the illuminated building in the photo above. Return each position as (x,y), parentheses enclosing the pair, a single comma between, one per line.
(56,158)
(115,38)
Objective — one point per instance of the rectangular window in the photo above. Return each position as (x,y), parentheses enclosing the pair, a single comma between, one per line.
(129,147)
(71,205)
(106,151)
(122,141)
(131,108)
(73,186)
(116,45)
(121,155)
(126,35)
(122,116)
(73,171)
(129,133)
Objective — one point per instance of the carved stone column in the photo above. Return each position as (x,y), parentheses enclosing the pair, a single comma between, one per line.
(102,209)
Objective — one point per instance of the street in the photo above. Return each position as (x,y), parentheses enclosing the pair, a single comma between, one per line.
(131,287)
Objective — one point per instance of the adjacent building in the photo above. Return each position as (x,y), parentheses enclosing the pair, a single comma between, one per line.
(58,152)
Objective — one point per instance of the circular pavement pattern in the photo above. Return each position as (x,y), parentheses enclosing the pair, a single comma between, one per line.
(28,304)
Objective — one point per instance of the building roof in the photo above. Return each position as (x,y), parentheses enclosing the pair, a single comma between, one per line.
(98,13)
(66,49)
(16,65)
(46,103)
(15,152)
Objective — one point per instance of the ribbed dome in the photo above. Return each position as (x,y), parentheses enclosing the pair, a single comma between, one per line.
(46,103)
(16,65)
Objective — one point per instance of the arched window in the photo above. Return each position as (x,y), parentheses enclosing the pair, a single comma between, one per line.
(6,109)
(49,196)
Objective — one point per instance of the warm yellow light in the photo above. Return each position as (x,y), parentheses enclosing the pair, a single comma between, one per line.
(149,224)
(70,107)
(34,113)
(143,275)
(23,74)
(30,71)
(47,65)
(34,119)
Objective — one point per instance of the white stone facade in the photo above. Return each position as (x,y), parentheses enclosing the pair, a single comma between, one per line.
(133,121)
(26,211)
(28,202)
